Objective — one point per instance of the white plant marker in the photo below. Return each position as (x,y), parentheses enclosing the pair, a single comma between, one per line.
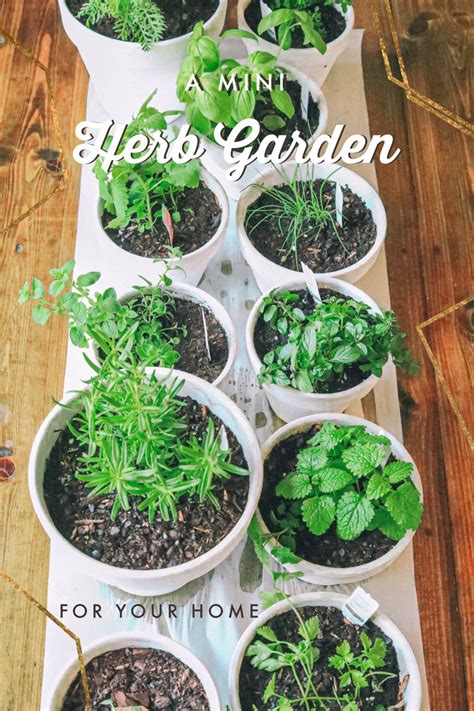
(224,439)
(304,101)
(206,335)
(339,203)
(311,282)
(360,607)
(265,10)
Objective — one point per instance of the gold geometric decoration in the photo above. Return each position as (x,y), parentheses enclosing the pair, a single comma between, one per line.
(63,177)
(412,94)
(439,374)
(62,626)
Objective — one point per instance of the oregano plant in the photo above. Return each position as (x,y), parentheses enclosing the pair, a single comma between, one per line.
(99,316)
(346,477)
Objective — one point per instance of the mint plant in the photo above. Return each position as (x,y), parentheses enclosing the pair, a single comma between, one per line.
(213,103)
(143,195)
(316,349)
(345,477)
(116,425)
(139,21)
(100,317)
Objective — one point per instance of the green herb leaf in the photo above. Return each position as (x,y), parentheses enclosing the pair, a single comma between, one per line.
(354,513)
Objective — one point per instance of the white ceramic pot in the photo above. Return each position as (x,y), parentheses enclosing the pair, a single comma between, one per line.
(190,268)
(321,574)
(290,404)
(213,158)
(308,59)
(406,659)
(123,74)
(165,580)
(133,639)
(267,273)
(211,305)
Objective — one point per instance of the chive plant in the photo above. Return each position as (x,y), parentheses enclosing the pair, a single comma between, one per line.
(297,205)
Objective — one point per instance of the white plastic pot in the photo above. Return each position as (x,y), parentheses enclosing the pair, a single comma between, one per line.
(134,639)
(211,305)
(267,273)
(213,159)
(406,659)
(165,580)
(123,74)
(290,404)
(325,575)
(190,268)
(308,58)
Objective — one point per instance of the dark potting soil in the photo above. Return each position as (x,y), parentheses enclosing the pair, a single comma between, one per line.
(200,217)
(131,541)
(185,321)
(334,628)
(327,549)
(333,22)
(180,16)
(265,107)
(320,247)
(134,676)
(266,339)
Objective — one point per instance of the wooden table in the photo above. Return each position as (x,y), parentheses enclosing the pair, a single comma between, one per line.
(427,196)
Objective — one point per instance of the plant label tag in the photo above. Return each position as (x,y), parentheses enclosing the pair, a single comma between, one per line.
(304,101)
(339,203)
(224,439)
(311,282)
(359,607)
(265,10)
(206,335)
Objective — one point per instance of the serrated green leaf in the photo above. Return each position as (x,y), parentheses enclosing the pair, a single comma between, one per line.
(284,555)
(318,513)
(311,459)
(354,513)
(404,504)
(384,522)
(362,459)
(377,487)
(310,628)
(333,479)
(294,486)
(398,471)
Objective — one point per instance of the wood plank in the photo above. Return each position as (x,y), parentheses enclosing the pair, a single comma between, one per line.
(427,196)
(32,359)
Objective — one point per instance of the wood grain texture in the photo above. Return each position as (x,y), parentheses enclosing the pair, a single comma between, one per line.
(426,193)
(31,359)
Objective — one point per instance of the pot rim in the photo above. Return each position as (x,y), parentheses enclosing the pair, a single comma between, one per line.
(293,284)
(163,43)
(327,599)
(303,423)
(129,574)
(130,638)
(338,170)
(216,187)
(349,17)
(187,292)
